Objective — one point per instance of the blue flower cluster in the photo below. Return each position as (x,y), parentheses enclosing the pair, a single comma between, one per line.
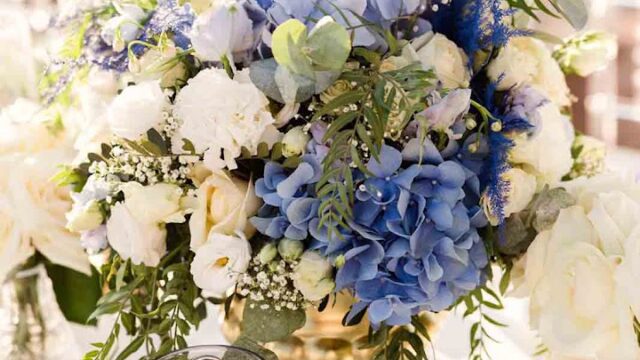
(351,14)
(412,245)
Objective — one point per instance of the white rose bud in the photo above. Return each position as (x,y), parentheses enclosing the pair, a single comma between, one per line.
(449,62)
(84,217)
(294,142)
(587,54)
(267,253)
(313,276)
(290,249)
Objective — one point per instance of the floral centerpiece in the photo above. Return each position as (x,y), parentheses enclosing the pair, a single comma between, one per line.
(401,152)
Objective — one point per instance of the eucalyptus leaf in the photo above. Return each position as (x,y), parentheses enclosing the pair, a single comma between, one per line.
(262,74)
(575,11)
(266,325)
(287,44)
(294,88)
(328,45)
(249,344)
(549,204)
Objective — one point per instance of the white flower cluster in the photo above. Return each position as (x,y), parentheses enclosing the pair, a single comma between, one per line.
(272,281)
(145,169)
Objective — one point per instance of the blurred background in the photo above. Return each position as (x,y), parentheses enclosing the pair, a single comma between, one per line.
(607,106)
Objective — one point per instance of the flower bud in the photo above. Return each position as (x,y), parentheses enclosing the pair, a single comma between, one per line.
(290,249)
(588,53)
(313,276)
(85,217)
(267,253)
(294,142)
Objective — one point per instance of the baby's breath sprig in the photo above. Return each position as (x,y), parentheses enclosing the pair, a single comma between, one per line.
(271,284)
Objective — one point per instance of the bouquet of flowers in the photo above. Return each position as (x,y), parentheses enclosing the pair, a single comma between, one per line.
(401,152)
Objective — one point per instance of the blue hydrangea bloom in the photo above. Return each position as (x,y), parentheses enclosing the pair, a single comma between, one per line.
(417,246)
(289,199)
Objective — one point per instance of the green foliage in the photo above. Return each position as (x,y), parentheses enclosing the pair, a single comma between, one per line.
(359,123)
(326,48)
(574,11)
(399,342)
(70,176)
(75,305)
(476,303)
(268,324)
(157,306)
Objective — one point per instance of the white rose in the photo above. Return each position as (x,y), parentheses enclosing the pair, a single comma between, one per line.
(526,61)
(587,190)
(84,217)
(120,30)
(223,30)
(24,128)
(137,109)
(225,204)
(143,243)
(294,142)
(218,264)
(449,62)
(159,63)
(313,276)
(37,208)
(15,248)
(238,118)
(547,152)
(575,304)
(155,204)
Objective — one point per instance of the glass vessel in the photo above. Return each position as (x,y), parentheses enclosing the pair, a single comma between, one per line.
(32,326)
(213,352)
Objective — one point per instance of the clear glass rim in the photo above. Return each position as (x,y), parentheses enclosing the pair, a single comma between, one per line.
(209,347)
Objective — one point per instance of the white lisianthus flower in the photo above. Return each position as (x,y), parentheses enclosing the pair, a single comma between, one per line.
(84,217)
(223,30)
(137,110)
(155,204)
(522,188)
(225,204)
(526,61)
(143,243)
(122,29)
(218,264)
(449,62)
(36,209)
(547,152)
(294,142)
(313,276)
(588,53)
(237,118)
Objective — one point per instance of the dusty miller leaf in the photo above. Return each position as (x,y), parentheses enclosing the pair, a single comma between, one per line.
(266,325)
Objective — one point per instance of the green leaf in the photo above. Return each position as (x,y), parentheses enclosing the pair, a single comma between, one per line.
(266,325)
(294,88)
(108,308)
(155,138)
(575,11)
(262,74)
(131,348)
(286,44)
(251,345)
(329,45)
(76,306)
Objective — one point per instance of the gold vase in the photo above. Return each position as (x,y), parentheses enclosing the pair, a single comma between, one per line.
(323,337)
